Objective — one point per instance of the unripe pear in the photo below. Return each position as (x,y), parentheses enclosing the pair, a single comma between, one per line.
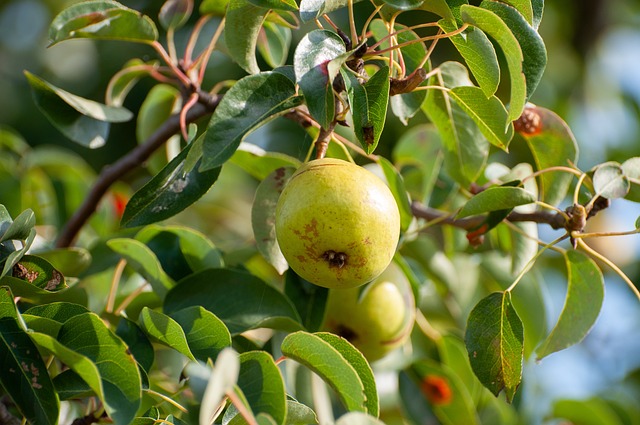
(376,319)
(337,224)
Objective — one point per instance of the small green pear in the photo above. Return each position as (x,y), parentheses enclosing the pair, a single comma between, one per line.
(337,224)
(375,319)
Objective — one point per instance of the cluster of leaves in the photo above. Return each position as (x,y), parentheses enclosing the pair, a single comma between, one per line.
(157,324)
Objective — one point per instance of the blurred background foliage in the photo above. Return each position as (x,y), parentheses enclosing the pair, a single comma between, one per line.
(591,80)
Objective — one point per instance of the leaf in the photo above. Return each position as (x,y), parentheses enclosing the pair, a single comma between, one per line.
(496,198)
(358,418)
(326,361)
(533,49)
(239,299)
(59,312)
(396,184)
(259,163)
(263,216)
(206,335)
(369,106)
(585,295)
(251,102)
(631,169)
(538,8)
(309,299)
(39,273)
(610,181)
(169,192)
(213,7)
(465,149)
(312,9)
(123,81)
(479,55)
(494,340)
(289,5)
(488,114)
(591,411)
(165,330)
(175,13)
(316,62)
(241,31)
(18,229)
(449,398)
(261,382)
(361,366)
(273,43)
(69,261)
(137,341)
(88,347)
(23,372)
(551,144)
(103,19)
(497,29)
(143,261)
(300,414)
(81,120)
(161,102)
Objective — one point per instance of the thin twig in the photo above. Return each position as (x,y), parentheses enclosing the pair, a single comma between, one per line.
(112,173)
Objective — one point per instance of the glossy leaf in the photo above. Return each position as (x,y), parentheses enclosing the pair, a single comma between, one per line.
(241,31)
(496,198)
(39,273)
(312,9)
(31,293)
(396,184)
(479,54)
(263,216)
(449,398)
(239,299)
(206,335)
(300,414)
(262,384)
(494,340)
(165,330)
(369,107)
(533,50)
(213,7)
(175,13)
(169,192)
(289,5)
(465,148)
(273,43)
(327,361)
(537,8)
(14,255)
(309,299)
(259,163)
(585,295)
(161,102)
(57,311)
(18,229)
(137,341)
(488,113)
(316,62)
(497,29)
(23,371)
(143,261)
(551,144)
(123,81)
(251,102)
(81,120)
(610,181)
(103,19)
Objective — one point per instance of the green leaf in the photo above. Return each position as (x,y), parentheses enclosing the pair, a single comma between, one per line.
(358,418)
(300,414)
(103,19)
(175,13)
(81,120)
(89,348)
(360,365)
(326,361)
(496,28)
(551,144)
(631,169)
(368,106)
(263,216)
(213,7)
(465,149)
(39,273)
(396,184)
(459,409)
(124,80)
(69,261)
(18,229)
(479,55)
(316,62)
(309,299)
(143,261)
(585,295)
(262,384)
(273,43)
(496,198)
(161,102)
(239,299)
(288,5)
(241,31)
(533,49)
(23,371)
(610,181)
(137,341)
(14,255)
(206,335)
(488,113)
(165,330)
(259,163)
(538,8)
(592,411)
(169,192)
(59,312)
(251,102)
(494,340)
(312,9)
